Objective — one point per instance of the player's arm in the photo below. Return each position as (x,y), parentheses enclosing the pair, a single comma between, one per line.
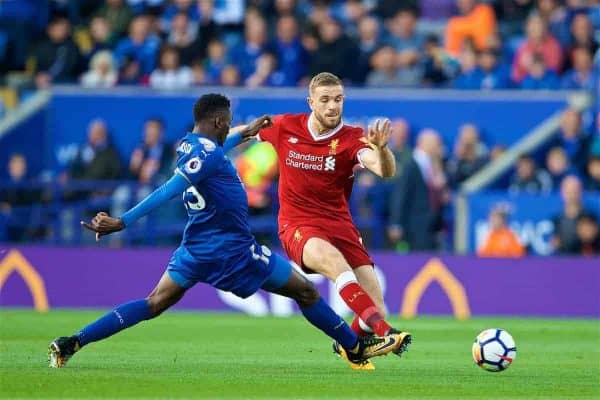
(243,133)
(103,224)
(379,159)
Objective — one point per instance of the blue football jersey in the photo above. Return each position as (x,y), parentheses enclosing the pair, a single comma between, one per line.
(216,201)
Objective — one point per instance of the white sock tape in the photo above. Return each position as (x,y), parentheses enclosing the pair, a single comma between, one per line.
(344,279)
(364,326)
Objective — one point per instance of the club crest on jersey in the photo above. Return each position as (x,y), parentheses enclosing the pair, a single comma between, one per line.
(333,145)
(193,165)
(185,147)
(297,235)
(208,144)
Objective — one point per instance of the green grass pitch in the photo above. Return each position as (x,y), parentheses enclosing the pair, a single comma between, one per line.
(199,355)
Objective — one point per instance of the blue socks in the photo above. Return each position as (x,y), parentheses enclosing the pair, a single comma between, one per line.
(324,318)
(120,318)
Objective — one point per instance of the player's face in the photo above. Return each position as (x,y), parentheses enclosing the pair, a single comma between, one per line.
(223,123)
(327,104)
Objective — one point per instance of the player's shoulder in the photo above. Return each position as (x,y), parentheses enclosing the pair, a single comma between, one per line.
(290,118)
(353,130)
(194,145)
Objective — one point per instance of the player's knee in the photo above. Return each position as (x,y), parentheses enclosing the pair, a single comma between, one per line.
(159,303)
(307,295)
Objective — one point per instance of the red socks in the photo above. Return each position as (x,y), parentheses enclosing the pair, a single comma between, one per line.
(361,303)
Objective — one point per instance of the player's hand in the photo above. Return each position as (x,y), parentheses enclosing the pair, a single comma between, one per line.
(255,126)
(103,224)
(379,134)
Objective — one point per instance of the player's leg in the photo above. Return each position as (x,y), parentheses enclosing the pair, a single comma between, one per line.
(165,294)
(286,281)
(367,278)
(322,257)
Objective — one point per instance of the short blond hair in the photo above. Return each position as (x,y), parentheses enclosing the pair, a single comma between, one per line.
(324,79)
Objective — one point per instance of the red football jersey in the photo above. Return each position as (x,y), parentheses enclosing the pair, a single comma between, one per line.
(316,172)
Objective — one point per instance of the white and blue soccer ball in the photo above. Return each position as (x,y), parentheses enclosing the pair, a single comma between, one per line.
(494,350)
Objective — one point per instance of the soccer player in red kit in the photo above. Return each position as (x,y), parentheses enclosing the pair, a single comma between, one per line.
(317,155)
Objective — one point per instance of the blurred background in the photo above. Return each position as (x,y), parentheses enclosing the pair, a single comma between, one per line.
(501,96)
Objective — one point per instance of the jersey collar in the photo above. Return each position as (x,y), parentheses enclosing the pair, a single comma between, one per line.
(331,133)
(196,136)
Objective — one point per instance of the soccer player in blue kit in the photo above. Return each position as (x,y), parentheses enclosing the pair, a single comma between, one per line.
(218,247)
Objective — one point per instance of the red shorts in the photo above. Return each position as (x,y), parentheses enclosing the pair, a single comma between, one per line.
(344,237)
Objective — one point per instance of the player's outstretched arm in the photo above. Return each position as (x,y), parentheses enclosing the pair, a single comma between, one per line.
(243,133)
(380,160)
(103,224)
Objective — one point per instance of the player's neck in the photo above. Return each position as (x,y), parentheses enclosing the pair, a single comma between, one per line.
(317,127)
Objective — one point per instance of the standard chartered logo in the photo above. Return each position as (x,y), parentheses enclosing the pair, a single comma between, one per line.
(330,163)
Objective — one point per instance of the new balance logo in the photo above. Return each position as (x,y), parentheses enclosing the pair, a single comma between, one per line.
(293,140)
(330,163)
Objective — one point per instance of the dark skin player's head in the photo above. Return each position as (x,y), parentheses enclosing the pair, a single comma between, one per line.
(212,116)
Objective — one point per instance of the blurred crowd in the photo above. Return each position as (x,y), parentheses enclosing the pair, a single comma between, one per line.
(413,209)
(464,44)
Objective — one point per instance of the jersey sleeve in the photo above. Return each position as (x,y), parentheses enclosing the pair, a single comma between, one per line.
(199,163)
(271,134)
(358,144)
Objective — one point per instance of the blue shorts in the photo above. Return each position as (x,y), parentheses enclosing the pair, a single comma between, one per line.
(242,274)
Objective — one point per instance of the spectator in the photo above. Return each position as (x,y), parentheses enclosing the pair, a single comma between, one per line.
(554,15)
(97,159)
(101,35)
(501,241)
(572,138)
(230,12)
(368,41)
(16,197)
(189,38)
(118,14)
(349,13)
(558,166)
(582,33)
(230,76)
(130,72)
(144,166)
(384,73)
(170,75)
(593,173)
(470,156)
(408,45)
(246,54)
(564,239)
(140,45)
(581,76)
(538,42)
(147,159)
(178,7)
(265,74)
(399,143)
(57,58)
(438,68)
(216,61)
(102,72)
(528,179)
(291,55)
(588,235)
(336,53)
(494,74)
(199,76)
(539,77)
(415,213)
(477,22)
(470,76)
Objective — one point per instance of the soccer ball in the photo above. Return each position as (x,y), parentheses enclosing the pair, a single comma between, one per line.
(494,350)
